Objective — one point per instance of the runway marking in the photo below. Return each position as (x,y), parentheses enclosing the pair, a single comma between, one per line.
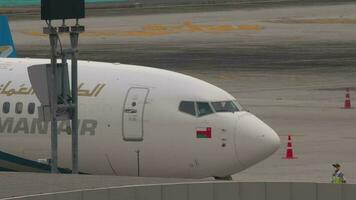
(316,21)
(225,77)
(250,27)
(34,33)
(161,29)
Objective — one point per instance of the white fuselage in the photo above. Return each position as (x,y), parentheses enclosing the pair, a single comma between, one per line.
(131,124)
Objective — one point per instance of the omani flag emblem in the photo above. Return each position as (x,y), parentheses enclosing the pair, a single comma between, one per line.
(203,132)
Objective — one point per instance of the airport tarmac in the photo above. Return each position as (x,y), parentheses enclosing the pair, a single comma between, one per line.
(288,65)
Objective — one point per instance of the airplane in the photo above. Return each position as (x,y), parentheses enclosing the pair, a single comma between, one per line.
(7,48)
(134,121)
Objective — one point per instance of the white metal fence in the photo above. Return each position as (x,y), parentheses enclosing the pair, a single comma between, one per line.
(264,2)
(209,191)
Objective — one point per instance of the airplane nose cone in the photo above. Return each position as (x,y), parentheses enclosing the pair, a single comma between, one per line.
(255,140)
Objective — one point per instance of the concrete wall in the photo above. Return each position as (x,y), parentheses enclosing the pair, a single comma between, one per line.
(209,191)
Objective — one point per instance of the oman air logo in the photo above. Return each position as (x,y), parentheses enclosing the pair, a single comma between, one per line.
(6,51)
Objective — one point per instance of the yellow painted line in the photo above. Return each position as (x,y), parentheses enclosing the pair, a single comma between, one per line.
(161,29)
(145,33)
(225,77)
(33,33)
(250,27)
(317,21)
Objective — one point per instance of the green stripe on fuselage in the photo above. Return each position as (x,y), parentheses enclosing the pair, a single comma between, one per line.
(201,136)
(19,163)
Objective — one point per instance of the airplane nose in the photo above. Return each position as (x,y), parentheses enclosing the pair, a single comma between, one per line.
(255,140)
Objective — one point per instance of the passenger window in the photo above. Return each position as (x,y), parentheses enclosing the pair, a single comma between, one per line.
(31,108)
(187,107)
(204,108)
(6,107)
(18,108)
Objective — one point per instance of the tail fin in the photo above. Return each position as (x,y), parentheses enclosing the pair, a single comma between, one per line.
(7,48)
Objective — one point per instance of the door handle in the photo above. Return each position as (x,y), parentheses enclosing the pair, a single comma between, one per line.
(130,110)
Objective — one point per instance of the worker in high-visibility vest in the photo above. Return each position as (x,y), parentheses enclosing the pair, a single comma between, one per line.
(338,176)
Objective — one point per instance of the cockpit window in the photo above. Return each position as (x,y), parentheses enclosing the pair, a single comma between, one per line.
(204,108)
(200,109)
(238,105)
(187,107)
(225,106)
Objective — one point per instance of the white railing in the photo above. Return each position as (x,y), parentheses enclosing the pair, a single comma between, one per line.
(208,191)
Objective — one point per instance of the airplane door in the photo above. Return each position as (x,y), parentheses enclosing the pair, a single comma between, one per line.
(133,112)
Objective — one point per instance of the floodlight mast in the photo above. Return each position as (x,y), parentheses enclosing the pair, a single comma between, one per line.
(53,38)
(63,103)
(74,36)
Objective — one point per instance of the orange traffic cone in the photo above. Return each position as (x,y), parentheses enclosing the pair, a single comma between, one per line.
(347,100)
(289,151)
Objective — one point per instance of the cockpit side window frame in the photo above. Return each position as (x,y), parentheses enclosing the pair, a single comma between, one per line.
(196,109)
(212,107)
(238,105)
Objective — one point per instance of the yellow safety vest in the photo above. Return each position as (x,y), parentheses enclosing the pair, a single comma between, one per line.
(338,178)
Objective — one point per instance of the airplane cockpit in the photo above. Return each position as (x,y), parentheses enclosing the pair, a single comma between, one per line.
(203,108)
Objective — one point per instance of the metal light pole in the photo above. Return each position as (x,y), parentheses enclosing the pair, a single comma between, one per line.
(74,36)
(53,38)
(51,82)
